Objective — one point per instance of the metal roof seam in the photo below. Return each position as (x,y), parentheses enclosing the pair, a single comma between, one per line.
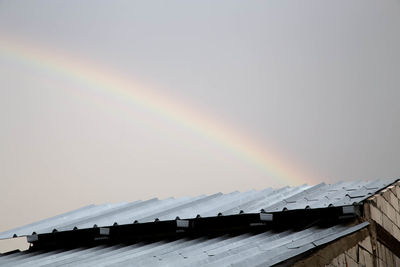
(288,198)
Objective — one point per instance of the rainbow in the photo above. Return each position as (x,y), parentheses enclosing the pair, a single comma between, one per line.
(113,84)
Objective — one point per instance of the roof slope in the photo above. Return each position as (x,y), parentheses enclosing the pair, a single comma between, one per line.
(250,249)
(268,200)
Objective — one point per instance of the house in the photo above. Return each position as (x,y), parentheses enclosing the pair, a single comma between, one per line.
(352,223)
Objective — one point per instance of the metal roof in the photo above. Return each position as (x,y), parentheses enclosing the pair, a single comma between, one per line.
(266,248)
(268,200)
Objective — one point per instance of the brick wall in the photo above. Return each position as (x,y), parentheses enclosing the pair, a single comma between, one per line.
(376,246)
(382,209)
(352,250)
(385,257)
(359,255)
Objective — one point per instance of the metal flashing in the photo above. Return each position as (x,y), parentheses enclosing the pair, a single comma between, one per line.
(270,200)
(244,249)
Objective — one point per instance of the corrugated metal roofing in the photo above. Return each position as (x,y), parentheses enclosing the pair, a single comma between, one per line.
(265,248)
(269,200)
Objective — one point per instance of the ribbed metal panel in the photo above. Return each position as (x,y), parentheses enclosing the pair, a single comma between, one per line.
(301,197)
(266,248)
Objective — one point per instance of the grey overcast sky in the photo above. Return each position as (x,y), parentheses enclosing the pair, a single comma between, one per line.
(314,83)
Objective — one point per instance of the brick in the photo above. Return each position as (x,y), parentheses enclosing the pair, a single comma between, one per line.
(389,258)
(387,224)
(399,205)
(350,262)
(391,213)
(339,260)
(393,189)
(382,204)
(369,260)
(366,244)
(372,199)
(352,253)
(385,255)
(398,189)
(396,260)
(365,258)
(386,195)
(398,219)
(361,256)
(380,249)
(381,263)
(376,214)
(334,262)
(396,232)
(394,201)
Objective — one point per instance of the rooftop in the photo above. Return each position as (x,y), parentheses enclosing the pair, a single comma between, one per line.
(265,227)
